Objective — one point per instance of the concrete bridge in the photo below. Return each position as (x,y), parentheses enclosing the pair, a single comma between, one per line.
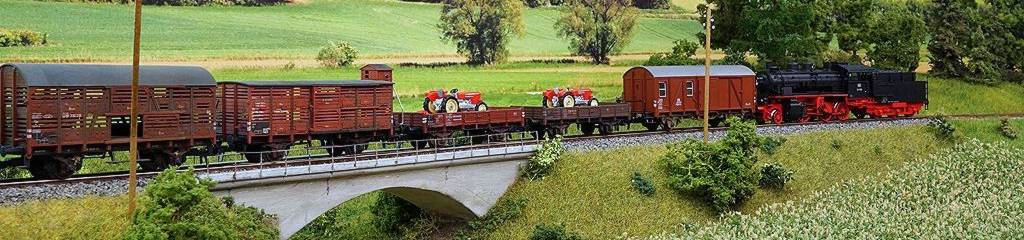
(463,184)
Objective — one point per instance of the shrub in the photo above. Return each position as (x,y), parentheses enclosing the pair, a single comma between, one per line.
(553,232)
(722,173)
(682,54)
(943,129)
(652,4)
(775,176)
(1007,129)
(337,54)
(642,184)
(535,3)
(17,38)
(771,145)
(180,206)
(504,211)
(541,164)
(392,213)
(836,144)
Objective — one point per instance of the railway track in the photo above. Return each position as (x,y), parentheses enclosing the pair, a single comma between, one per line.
(309,159)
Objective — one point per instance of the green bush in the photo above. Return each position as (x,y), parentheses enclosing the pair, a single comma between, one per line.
(541,164)
(180,206)
(553,232)
(504,211)
(1007,129)
(943,129)
(771,145)
(392,213)
(337,54)
(682,54)
(722,173)
(642,184)
(17,38)
(775,176)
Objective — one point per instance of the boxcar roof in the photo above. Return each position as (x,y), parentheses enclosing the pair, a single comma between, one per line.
(87,75)
(698,70)
(306,83)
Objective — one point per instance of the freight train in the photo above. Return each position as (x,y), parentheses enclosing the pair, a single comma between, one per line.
(54,115)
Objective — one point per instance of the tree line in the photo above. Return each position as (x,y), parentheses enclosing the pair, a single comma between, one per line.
(980,40)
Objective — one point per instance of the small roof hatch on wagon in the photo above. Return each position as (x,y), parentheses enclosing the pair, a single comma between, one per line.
(697,70)
(88,75)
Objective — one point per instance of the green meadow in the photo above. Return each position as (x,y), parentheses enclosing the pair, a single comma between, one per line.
(377,28)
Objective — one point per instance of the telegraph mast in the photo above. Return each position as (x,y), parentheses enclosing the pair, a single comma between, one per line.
(707,67)
(133,141)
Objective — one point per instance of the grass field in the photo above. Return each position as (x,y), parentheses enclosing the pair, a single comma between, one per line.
(377,28)
(520,84)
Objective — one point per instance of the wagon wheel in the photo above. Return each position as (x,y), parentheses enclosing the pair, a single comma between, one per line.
(429,106)
(593,102)
(55,167)
(332,148)
(263,153)
(357,148)
(482,107)
(450,105)
(568,101)
(587,129)
(714,122)
(651,126)
(605,129)
(157,160)
(548,102)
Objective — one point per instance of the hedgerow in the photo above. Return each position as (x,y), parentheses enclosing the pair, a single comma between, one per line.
(180,206)
(970,191)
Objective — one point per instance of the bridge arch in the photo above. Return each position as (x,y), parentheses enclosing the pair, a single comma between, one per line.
(461,191)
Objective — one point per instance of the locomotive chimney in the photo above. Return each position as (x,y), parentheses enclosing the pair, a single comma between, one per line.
(380,72)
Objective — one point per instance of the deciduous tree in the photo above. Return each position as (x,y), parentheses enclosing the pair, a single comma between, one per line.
(597,28)
(481,29)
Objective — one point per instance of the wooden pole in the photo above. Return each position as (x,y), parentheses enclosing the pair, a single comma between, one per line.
(707,68)
(133,149)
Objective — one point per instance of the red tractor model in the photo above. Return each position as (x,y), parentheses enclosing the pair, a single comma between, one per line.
(558,97)
(454,101)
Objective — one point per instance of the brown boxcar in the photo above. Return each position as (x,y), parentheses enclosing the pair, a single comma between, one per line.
(54,114)
(423,125)
(663,95)
(555,121)
(272,115)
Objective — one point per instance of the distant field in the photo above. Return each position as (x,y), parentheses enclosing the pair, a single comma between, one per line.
(377,28)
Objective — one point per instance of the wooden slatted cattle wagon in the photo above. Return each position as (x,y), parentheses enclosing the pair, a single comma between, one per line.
(55,114)
(662,96)
(272,115)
